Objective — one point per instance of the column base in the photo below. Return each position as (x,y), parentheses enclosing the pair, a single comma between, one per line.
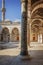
(27,57)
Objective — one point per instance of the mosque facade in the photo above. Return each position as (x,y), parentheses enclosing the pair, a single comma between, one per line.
(9,31)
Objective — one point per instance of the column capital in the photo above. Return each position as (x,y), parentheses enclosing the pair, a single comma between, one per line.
(24,1)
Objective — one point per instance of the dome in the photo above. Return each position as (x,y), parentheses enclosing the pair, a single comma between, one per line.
(18,20)
(7,21)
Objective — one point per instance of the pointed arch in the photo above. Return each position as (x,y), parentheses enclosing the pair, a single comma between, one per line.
(5,36)
(15,34)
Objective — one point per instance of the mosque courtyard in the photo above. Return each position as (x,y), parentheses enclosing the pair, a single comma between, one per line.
(10,55)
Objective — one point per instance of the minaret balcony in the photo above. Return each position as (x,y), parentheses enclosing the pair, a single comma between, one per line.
(3,10)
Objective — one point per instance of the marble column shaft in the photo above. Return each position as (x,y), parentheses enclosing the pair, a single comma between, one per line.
(24,50)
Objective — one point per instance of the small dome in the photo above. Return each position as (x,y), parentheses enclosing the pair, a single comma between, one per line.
(18,20)
(7,20)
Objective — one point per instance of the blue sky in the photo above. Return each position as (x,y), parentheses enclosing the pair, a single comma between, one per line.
(13,9)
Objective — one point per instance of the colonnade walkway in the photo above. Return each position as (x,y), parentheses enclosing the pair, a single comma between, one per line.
(10,56)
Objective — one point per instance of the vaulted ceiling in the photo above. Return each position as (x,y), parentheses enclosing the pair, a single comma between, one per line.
(34,1)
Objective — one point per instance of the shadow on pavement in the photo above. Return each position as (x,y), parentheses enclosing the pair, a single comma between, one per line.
(37,59)
(6,60)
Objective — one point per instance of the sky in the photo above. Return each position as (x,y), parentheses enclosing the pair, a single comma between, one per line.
(13,10)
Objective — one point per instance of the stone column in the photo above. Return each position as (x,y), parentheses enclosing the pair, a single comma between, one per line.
(28,21)
(42,37)
(24,50)
(10,37)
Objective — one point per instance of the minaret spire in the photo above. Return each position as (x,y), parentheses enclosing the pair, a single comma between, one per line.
(3,10)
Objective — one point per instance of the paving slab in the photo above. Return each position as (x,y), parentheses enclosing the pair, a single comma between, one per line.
(10,56)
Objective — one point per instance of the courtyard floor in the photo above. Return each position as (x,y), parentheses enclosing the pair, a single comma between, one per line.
(10,56)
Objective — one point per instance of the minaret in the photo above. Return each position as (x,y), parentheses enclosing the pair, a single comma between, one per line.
(3,10)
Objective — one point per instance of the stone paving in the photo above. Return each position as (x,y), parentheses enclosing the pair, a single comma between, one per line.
(10,56)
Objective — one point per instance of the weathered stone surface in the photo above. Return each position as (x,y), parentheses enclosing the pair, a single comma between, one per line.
(24,29)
